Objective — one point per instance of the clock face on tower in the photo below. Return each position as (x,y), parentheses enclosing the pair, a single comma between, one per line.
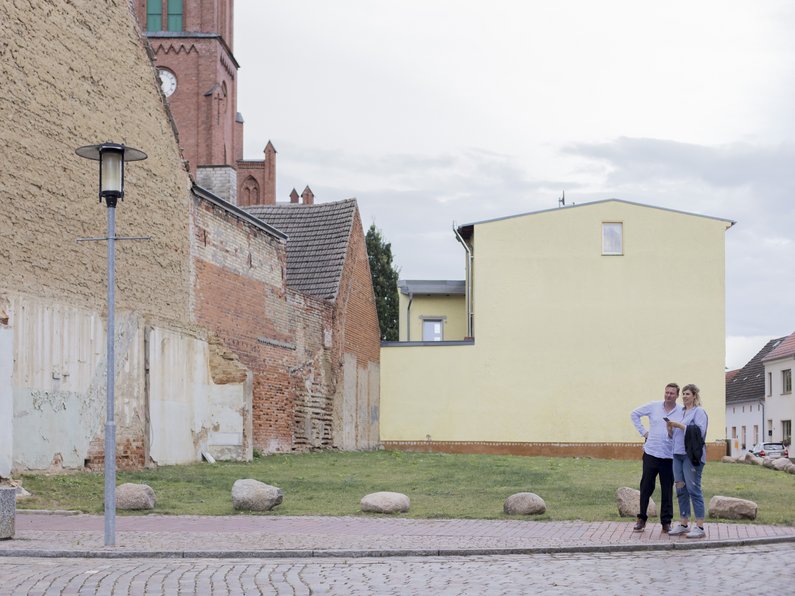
(168,82)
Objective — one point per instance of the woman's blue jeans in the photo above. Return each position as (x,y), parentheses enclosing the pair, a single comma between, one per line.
(685,471)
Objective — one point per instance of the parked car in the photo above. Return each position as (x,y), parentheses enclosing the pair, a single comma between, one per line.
(771,450)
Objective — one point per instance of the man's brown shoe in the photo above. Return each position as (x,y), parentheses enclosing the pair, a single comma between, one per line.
(666,528)
(640,525)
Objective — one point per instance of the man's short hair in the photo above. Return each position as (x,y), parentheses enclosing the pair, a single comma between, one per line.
(674,385)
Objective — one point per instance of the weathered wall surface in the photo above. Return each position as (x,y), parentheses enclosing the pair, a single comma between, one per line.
(6,395)
(58,385)
(53,370)
(191,414)
(282,336)
(357,403)
(77,73)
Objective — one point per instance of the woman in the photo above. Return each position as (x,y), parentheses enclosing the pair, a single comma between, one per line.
(690,455)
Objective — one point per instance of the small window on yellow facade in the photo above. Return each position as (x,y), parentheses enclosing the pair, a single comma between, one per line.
(432,330)
(612,238)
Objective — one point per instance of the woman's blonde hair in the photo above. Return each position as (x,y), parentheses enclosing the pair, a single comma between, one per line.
(695,391)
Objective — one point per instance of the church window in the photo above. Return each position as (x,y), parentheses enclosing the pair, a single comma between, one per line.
(250,192)
(175,15)
(154,15)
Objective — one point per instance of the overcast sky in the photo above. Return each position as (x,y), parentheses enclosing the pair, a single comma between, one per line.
(435,111)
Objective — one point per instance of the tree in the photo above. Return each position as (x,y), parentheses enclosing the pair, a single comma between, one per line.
(385,280)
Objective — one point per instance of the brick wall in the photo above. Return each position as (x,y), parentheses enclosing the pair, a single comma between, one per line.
(219,180)
(355,306)
(279,334)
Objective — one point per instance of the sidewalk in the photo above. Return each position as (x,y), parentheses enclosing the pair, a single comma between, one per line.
(63,535)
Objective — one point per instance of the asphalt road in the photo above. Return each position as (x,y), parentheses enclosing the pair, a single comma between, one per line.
(759,569)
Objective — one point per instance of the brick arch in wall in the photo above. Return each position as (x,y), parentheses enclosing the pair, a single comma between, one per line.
(249,192)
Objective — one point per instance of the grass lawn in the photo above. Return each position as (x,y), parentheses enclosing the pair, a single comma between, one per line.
(439,485)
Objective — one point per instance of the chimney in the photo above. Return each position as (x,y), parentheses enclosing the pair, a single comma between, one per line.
(308,196)
(294,196)
(269,182)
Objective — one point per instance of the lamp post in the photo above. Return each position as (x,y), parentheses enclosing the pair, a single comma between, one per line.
(111,158)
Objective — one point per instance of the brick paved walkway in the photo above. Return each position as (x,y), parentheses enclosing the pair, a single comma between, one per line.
(284,536)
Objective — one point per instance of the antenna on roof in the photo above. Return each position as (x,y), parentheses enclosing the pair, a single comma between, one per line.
(562,200)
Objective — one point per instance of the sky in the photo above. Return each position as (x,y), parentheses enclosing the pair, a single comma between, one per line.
(435,112)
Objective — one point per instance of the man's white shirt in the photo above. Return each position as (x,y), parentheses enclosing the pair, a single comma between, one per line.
(658,444)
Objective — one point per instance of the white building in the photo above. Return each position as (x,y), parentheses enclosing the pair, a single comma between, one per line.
(780,405)
(746,408)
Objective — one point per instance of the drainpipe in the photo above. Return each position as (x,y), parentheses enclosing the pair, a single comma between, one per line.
(408,317)
(468,281)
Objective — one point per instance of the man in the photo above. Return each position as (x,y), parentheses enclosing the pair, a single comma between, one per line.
(657,456)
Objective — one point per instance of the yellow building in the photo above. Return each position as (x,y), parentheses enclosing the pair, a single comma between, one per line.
(578,315)
(432,310)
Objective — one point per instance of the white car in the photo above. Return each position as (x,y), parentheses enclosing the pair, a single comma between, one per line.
(771,450)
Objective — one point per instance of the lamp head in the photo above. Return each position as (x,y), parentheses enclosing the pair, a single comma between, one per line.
(111,158)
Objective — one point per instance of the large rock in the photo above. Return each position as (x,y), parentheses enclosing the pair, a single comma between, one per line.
(782,464)
(252,495)
(385,502)
(628,500)
(731,508)
(768,463)
(524,504)
(728,459)
(8,510)
(134,496)
(752,459)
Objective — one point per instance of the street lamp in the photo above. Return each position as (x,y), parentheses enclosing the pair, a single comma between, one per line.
(111,158)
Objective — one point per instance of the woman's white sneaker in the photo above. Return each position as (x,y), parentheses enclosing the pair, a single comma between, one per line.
(696,532)
(678,529)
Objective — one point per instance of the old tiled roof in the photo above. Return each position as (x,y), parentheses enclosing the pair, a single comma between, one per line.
(749,382)
(317,242)
(784,349)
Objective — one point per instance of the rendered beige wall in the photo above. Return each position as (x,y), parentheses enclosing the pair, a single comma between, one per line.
(77,73)
(568,341)
(452,308)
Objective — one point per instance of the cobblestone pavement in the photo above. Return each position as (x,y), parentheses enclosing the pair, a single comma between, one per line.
(262,535)
(732,570)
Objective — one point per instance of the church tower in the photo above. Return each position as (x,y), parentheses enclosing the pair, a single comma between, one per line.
(192,41)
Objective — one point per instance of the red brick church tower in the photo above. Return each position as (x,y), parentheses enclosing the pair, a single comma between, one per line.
(192,41)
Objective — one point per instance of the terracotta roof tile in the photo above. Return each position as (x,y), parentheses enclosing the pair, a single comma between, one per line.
(784,349)
(317,242)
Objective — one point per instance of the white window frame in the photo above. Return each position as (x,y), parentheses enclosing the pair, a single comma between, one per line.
(433,320)
(612,231)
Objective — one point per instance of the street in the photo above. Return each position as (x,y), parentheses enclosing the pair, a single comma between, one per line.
(706,571)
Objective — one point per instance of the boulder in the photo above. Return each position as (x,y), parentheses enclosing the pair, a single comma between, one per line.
(728,459)
(628,500)
(750,458)
(781,464)
(385,502)
(731,508)
(524,504)
(768,463)
(134,496)
(252,495)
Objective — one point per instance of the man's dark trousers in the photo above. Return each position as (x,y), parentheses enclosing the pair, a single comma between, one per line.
(652,467)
